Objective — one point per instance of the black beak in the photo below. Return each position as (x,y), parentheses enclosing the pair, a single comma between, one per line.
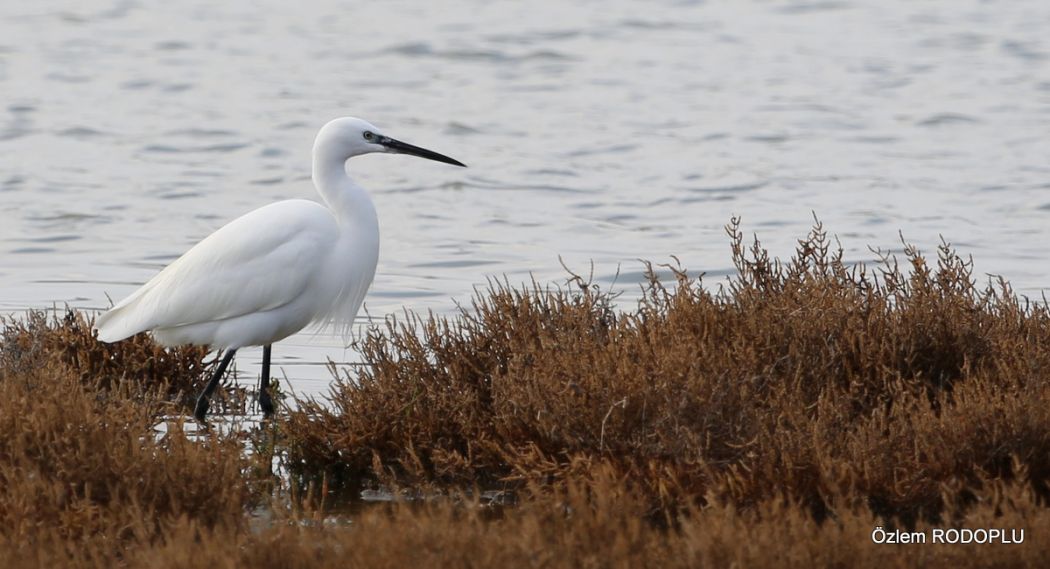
(406,148)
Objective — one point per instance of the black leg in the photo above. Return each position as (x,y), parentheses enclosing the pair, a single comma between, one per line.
(265,402)
(201,410)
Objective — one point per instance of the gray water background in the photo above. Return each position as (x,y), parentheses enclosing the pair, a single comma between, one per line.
(604,131)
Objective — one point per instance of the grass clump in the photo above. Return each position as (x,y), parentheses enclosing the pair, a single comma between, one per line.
(66,342)
(84,475)
(600,523)
(772,420)
(813,381)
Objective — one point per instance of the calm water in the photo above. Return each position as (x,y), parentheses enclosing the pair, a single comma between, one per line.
(607,131)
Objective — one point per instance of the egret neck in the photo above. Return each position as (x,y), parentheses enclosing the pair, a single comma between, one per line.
(351,203)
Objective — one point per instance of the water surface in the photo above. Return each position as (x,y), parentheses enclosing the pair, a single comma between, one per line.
(608,131)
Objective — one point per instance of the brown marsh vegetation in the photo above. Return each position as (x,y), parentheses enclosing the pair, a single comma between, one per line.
(774,419)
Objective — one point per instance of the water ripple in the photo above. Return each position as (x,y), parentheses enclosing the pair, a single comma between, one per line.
(422,49)
(80,132)
(598,131)
(210,148)
(947,119)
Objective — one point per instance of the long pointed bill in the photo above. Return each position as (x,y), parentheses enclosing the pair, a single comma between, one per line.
(406,148)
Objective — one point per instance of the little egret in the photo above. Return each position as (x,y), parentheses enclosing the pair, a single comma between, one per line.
(271,272)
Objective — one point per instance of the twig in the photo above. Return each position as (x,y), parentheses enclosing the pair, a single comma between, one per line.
(601,440)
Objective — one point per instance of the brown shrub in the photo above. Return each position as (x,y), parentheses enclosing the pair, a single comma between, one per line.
(594,524)
(38,340)
(812,381)
(83,470)
(773,421)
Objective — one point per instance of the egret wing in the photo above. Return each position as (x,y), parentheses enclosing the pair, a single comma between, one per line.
(257,262)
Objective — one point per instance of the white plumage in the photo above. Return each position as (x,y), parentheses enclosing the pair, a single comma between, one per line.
(257,280)
(271,272)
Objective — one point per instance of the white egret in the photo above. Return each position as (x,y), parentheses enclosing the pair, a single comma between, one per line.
(271,272)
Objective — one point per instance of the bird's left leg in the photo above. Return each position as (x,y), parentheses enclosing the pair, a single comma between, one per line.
(201,410)
(265,402)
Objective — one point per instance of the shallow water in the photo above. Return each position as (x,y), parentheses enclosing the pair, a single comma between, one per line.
(605,131)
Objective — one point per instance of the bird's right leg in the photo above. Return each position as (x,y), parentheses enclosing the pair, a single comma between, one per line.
(265,401)
(201,410)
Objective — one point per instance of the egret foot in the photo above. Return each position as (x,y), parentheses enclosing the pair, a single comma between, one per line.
(266,404)
(200,411)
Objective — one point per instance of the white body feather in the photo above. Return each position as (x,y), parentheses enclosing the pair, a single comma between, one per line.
(269,273)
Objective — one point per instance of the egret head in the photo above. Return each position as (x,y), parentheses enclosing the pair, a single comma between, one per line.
(346,137)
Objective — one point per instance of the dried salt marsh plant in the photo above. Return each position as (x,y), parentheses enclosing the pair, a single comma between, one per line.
(775,420)
(47,339)
(84,474)
(809,380)
(80,472)
(594,523)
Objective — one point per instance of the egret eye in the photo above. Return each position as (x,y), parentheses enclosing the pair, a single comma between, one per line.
(369,136)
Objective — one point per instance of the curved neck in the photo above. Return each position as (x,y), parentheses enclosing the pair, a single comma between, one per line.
(348,201)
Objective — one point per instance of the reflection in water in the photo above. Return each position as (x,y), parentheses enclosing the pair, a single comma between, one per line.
(129,131)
